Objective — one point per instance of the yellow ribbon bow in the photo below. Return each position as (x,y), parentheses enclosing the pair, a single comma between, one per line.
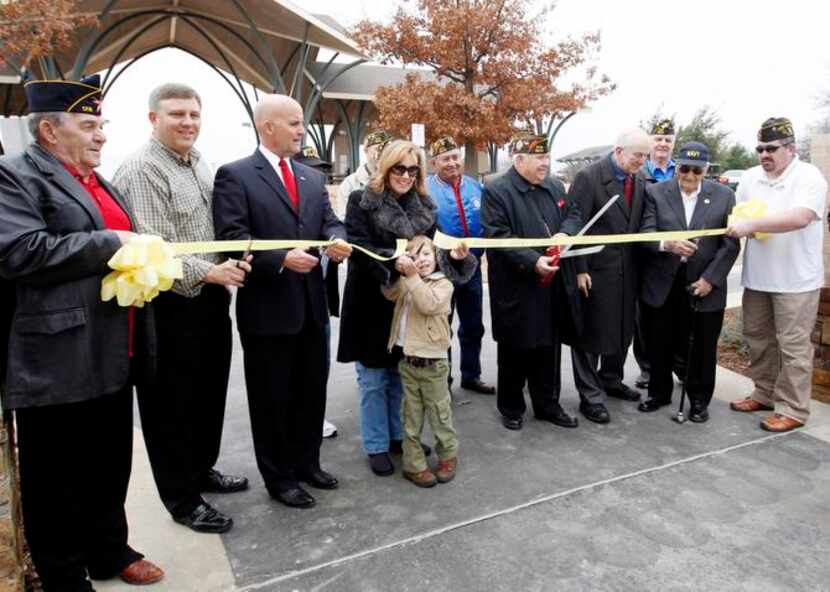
(750,210)
(144,267)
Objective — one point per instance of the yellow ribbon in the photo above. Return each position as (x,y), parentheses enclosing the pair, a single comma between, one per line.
(147,265)
(750,210)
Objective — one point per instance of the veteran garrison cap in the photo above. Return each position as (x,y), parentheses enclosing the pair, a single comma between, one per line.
(442,145)
(525,143)
(693,154)
(378,137)
(309,157)
(664,127)
(66,96)
(776,128)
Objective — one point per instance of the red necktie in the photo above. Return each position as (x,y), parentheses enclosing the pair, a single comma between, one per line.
(628,189)
(456,189)
(290,183)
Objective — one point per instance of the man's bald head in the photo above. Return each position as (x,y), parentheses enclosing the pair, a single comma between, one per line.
(279,121)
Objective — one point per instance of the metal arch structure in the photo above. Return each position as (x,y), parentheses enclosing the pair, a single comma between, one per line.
(242,40)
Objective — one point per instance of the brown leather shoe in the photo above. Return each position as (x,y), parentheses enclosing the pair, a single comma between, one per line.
(142,573)
(780,423)
(748,405)
(424,478)
(446,470)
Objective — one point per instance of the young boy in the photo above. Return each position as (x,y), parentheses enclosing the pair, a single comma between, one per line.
(420,326)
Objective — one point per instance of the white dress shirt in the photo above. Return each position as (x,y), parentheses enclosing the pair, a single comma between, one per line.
(275,162)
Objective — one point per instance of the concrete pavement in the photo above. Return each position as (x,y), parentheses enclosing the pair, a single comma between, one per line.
(639,504)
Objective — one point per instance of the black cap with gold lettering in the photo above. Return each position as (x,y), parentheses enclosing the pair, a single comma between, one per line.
(693,154)
(66,96)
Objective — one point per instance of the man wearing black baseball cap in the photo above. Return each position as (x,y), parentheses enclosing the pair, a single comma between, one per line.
(73,359)
(683,290)
(782,276)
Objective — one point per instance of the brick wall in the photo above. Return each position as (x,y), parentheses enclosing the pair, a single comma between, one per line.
(820,155)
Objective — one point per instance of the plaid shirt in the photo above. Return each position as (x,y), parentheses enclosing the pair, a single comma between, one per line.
(172,198)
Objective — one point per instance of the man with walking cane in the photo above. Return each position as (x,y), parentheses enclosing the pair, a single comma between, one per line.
(684,282)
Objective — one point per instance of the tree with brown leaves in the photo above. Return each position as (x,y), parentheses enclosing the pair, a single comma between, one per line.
(33,29)
(487,70)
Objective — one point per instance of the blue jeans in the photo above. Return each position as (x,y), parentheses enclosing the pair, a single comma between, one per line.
(380,407)
(468,300)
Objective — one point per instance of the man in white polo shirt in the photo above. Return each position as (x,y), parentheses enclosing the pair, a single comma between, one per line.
(782,276)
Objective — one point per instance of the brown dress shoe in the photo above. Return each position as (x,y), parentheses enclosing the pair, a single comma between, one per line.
(446,470)
(142,573)
(748,404)
(780,423)
(424,478)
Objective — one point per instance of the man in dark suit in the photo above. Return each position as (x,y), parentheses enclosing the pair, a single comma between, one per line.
(608,279)
(531,299)
(72,357)
(678,271)
(282,312)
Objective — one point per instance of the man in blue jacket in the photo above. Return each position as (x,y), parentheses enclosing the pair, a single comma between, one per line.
(458,198)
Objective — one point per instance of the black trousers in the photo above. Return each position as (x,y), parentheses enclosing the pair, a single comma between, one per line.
(75,461)
(539,368)
(670,327)
(183,411)
(595,374)
(640,338)
(286,380)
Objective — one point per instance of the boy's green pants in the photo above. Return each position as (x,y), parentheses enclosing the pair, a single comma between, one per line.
(426,393)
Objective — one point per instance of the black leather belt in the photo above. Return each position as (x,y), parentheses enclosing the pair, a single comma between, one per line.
(420,362)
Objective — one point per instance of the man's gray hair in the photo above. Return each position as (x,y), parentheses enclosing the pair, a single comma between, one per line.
(56,118)
(172,90)
(633,138)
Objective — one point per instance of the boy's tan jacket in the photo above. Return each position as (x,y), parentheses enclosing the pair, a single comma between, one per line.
(428,325)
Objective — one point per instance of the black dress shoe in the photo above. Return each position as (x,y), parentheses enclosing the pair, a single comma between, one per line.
(699,414)
(642,380)
(511,423)
(216,482)
(381,464)
(396,447)
(596,412)
(557,416)
(206,518)
(478,387)
(294,497)
(624,392)
(319,478)
(650,404)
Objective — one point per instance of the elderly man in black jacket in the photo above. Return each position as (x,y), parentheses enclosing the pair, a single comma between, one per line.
(72,358)
(531,299)
(608,280)
(680,274)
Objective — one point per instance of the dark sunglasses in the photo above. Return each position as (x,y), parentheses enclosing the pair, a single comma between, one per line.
(685,169)
(772,149)
(399,170)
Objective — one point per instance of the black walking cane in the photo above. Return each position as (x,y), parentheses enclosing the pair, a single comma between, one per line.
(679,417)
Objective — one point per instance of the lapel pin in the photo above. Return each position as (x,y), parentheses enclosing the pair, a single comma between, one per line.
(706,201)
(303,179)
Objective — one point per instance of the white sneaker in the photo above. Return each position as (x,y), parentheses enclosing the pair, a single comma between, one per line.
(329,429)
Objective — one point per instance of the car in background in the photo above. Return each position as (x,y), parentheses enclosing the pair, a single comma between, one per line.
(731,178)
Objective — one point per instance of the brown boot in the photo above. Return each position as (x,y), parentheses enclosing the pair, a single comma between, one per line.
(423,478)
(446,470)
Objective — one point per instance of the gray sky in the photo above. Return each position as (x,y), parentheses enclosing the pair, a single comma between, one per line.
(749,60)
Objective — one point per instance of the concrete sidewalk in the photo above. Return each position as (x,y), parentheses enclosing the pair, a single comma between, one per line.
(639,504)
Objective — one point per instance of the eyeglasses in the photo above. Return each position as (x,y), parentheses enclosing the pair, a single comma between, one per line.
(399,170)
(686,169)
(770,148)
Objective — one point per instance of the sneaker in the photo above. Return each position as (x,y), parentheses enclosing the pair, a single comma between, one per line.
(424,478)
(446,470)
(329,429)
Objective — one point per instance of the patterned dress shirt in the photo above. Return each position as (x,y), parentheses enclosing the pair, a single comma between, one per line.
(172,198)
